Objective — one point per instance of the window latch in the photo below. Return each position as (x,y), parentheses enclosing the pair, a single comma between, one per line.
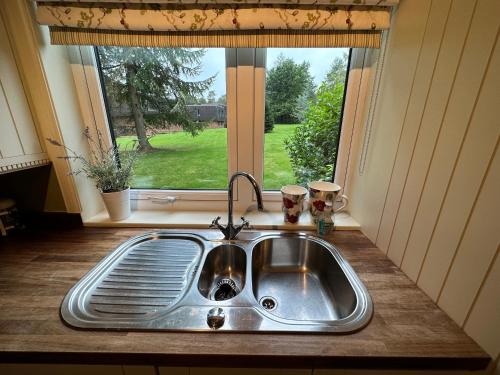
(161,200)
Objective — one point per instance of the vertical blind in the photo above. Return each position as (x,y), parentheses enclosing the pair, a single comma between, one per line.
(217,23)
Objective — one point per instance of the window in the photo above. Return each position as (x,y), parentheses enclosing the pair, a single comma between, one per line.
(304,99)
(170,104)
(212,118)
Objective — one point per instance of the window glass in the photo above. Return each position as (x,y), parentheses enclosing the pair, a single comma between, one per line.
(171,104)
(303,114)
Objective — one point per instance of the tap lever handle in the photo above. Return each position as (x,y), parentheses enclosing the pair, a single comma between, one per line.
(215,222)
(245,223)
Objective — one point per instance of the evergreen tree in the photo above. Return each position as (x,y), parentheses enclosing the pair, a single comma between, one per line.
(156,84)
(286,83)
(337,72)
(268,119)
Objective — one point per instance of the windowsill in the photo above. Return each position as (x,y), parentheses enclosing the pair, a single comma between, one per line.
(201,219)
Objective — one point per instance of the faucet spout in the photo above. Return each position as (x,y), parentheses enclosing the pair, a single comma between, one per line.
(231,231)
(230,193)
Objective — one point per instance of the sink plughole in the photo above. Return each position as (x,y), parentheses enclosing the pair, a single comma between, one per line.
(269,282)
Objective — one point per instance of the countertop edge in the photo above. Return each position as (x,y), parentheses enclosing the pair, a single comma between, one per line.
(247,361)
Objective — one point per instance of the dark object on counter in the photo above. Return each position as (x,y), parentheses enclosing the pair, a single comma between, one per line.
(9,216)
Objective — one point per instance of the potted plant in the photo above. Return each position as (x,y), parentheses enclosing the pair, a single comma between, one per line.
(111,174)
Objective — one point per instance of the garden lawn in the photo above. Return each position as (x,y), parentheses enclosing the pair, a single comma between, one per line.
(181,161)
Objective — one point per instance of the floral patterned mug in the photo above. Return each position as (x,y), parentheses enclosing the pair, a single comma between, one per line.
(293,202)
(321,192)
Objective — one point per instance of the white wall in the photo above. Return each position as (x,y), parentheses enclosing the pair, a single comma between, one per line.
(429,193)
(60,80)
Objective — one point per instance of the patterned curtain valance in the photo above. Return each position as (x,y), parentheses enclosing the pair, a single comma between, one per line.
(215,22)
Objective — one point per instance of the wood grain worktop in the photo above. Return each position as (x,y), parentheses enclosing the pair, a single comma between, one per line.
(38,268)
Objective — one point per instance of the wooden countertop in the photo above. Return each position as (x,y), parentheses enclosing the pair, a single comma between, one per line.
(37,269)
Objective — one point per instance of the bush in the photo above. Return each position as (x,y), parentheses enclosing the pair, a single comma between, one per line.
(313,146)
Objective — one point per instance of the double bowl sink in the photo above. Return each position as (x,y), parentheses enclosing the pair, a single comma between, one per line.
(274,282)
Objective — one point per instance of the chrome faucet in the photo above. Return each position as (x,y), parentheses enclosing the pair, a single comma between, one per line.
(231,231)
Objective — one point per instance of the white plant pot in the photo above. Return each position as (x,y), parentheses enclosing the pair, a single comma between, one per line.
(117,204)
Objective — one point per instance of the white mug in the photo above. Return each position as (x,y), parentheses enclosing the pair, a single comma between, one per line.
(321,192)
(292,202)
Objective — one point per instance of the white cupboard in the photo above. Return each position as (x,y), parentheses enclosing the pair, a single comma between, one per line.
(20,144)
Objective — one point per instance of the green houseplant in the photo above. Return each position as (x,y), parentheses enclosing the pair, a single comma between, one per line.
(112,172)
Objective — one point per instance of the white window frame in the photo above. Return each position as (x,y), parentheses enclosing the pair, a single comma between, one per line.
(245,93)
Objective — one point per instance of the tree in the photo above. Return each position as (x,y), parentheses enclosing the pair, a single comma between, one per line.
(222,99)
(268,119)
(286,82)
(337,71)
(306,99)
(155,84)
(313,146)
(211,97)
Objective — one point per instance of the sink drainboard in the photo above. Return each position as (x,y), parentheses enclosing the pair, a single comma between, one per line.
(142,277)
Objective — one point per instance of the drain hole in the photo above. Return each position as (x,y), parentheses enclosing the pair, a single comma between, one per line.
(225,289)
(269,303)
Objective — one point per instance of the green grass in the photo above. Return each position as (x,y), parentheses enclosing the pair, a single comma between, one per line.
(277,167)
(181,161)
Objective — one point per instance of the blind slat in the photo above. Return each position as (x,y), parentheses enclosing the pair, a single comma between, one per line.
(222,39)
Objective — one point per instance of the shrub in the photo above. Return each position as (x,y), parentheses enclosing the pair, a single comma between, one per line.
(313,146)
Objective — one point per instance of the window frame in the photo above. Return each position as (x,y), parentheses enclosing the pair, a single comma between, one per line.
(245,93)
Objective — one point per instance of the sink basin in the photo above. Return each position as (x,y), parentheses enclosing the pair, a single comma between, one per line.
(223,274)
(301,280)
(266,282)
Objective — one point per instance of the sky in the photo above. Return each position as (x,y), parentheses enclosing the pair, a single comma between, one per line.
(319,58)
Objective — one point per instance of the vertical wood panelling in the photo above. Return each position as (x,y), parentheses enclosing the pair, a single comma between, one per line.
(477,248)
(16,98)
(395,88)
(441,210)
(423,77)
(449,56)
(458,195)
(10,144)
(9,141)
(483,323)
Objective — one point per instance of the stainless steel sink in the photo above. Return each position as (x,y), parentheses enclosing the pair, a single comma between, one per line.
(270,282)
(223,274)
(301,280)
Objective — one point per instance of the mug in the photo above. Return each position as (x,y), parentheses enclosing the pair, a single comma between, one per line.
(293,202)
(322,192)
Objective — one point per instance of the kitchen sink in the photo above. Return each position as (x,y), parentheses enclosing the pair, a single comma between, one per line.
(223,274)
(301,280)
(266,282)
